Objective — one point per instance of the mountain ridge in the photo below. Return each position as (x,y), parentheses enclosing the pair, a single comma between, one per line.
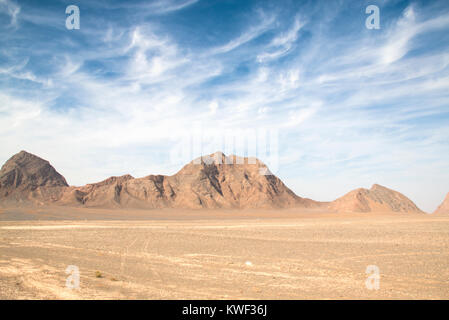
(213,181)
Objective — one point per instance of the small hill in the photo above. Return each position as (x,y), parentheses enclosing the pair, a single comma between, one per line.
(376,199)
(26,177)
(444,207)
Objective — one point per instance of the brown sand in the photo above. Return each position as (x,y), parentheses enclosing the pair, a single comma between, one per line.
(222,254)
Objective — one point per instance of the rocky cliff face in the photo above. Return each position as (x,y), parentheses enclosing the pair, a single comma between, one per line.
(376,199)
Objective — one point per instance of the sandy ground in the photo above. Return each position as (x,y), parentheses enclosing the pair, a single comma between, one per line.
(221,255)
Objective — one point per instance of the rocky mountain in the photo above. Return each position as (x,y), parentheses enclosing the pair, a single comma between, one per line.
(444,207)
(376,199)
(213,181)
(26,177)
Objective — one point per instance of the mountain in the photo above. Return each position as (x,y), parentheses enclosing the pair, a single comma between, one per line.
(444,207)
(376,199)
(26,177)
(213,181)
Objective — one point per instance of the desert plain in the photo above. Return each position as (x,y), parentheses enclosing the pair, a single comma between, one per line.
(221,254)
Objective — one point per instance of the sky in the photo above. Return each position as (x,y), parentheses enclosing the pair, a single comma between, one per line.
(348,106)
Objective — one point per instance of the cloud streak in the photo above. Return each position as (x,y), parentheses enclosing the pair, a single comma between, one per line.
(11,9)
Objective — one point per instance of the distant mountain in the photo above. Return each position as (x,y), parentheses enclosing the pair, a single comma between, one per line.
(376,199)
(444,207)
(212,181)
(27,177)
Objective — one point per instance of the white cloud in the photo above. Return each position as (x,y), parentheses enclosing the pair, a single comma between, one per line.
(398,42)
(253,32)
(213,107)
(289,79)
(157,7)
(283,43)
(10,8)
(17,71)
(407,27)
(298,116)
(169,6)
(152,57)
(16,111)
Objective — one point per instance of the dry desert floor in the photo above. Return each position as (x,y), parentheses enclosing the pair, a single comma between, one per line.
(221,254)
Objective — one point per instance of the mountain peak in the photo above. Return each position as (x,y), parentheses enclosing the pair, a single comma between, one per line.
(219,158)
(444,206)
(378,186)
(210,181)
(214,158)
(26,171)
(24,156)
(378,198)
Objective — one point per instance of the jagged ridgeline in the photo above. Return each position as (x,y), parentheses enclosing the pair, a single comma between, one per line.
(212,181)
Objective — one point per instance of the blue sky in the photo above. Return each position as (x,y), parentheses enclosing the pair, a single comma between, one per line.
(351,106)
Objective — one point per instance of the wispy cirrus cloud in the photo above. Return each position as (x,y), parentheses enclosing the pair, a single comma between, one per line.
(282,44)
(156,7)
(407,28)
(253,32)
(165,6)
